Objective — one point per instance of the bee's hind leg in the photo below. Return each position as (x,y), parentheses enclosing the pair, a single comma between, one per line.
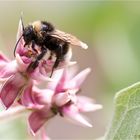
(58,59)
(56,63)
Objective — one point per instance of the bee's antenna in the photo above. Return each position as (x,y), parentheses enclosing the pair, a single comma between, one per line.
(17,44)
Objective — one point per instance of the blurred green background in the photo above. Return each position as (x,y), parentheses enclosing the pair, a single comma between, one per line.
(112,32)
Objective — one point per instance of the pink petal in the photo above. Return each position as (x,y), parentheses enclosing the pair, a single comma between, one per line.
(38,118)
(49,64)
(11,89)
(61,77)
(20,30)
(61,98)
(22,66)
(42,96)
(62,82)
(71,113)
(71,72)
(20,49)
(42,69)
(9,69)
(56,78)
(77,81)
(36,75)
(26,98)
(86,104)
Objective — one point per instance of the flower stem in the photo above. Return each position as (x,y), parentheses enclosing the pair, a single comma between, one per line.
(12,113)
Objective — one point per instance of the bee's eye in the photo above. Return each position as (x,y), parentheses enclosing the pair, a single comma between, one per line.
(44,28)
(28,31)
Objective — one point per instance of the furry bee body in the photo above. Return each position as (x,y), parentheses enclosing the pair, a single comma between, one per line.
(47,38)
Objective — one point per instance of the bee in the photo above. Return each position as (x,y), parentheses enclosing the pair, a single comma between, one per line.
(44,35)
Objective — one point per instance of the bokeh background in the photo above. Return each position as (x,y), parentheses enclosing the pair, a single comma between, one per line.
(111,30)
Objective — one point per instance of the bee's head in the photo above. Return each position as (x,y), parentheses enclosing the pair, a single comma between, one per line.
(28,33)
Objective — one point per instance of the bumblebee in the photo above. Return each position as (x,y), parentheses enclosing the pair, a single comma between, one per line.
(44,35)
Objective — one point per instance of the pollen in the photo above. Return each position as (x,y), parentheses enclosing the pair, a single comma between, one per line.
(30,53)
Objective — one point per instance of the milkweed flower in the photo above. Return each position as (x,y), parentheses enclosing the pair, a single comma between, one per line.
(60,97)
(16,77)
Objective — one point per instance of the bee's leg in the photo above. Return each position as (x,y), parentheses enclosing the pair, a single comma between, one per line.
(56,63)
(35,63)
(33,46)
(25,44)
(58,58)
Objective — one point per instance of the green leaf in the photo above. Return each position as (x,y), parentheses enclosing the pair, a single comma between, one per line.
(126,120)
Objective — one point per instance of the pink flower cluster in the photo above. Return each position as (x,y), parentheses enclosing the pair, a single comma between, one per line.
(59,95)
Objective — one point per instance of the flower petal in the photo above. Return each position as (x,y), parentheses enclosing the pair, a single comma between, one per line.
(71,113)
(36,75)
(11,89)
(48,65)
(42,96)
(61,98)
(9,69)
(26,98)
(38,118)
(22,66)
(61,77)
(19,48)
(62,81)
(77,81)
(56,78)
(20,29)
(86,104)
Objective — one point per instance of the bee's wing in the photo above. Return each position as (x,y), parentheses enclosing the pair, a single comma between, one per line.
(69,38)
